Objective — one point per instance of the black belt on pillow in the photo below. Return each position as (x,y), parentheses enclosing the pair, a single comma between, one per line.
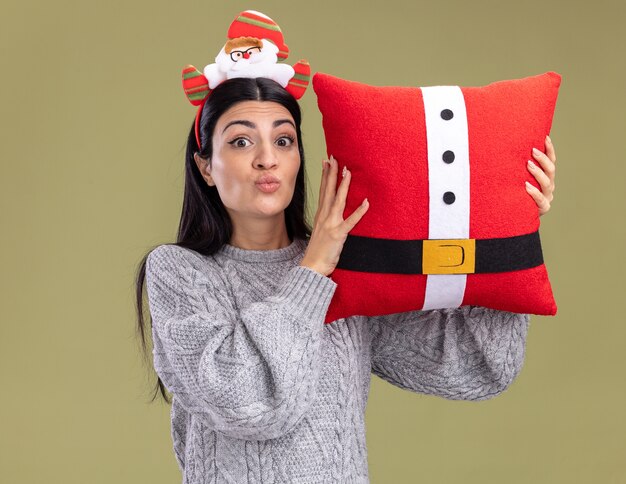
(439,256)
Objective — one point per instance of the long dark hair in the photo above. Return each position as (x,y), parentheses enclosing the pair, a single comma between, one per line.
(205,225)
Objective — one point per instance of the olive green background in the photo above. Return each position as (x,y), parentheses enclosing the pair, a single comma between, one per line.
(94,123)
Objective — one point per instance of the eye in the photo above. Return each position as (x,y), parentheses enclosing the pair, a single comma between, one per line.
(285,141)
(240,143)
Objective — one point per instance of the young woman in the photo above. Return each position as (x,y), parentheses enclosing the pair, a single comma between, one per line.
(263,390)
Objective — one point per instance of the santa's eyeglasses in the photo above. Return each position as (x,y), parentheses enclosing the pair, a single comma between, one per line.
(235,55)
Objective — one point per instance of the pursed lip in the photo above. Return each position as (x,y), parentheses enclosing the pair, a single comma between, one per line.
(267,179)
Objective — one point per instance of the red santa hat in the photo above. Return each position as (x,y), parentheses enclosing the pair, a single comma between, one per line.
(251,23)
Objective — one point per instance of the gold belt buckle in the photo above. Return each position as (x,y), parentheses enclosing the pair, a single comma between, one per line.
(448,256)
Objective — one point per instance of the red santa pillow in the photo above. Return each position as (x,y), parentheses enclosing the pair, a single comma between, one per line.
(450,222)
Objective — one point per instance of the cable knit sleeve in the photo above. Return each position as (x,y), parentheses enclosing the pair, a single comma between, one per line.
(466,353)
(249,373)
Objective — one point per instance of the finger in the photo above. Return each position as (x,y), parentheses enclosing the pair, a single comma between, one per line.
(355,216)
(329,187)
(550,149)
(542,203)
(547,186)
(331,182)
(320,198)
(342,192)
(325,169)
(546,163)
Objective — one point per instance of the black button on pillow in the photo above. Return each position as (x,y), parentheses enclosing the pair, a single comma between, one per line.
(447,114)
(448,156)
(449,198)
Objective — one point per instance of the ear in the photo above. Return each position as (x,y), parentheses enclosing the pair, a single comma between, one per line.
(204,169)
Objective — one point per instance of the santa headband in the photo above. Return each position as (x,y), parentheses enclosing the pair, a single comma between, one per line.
(255,48)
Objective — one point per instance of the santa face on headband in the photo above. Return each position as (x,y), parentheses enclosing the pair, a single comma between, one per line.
(248,57)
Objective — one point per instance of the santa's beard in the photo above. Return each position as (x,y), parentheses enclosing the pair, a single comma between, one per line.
(260,58)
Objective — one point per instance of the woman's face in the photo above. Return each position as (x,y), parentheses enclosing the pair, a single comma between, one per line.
(253,140)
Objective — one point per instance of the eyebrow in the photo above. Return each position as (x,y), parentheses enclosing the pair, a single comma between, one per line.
(251,125)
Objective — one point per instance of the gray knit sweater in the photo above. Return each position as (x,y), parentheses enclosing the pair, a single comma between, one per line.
(265,392)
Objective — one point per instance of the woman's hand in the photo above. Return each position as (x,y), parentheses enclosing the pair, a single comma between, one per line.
(330,230)
(545,176)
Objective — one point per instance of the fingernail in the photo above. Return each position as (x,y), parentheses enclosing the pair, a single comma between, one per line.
(345,170)
(332,158)
(548,139)
(528,185)
(531,164)
(536,151)
(365,201)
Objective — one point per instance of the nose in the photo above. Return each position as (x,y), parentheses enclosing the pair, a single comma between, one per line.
(246,55)
(266,157)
